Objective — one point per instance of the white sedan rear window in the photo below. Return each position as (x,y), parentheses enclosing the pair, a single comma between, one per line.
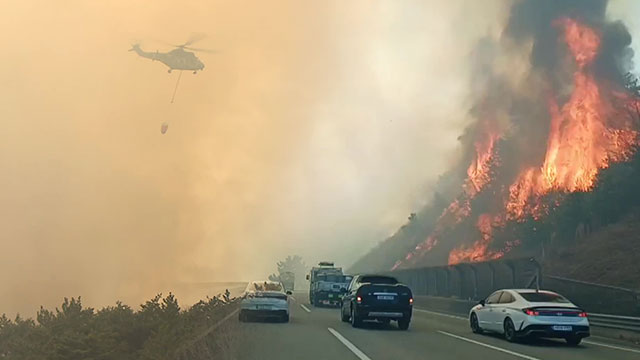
(543,297)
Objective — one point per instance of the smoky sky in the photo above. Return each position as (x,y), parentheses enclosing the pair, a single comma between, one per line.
(316,129)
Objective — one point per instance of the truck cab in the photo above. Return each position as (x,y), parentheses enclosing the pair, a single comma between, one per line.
(327,284)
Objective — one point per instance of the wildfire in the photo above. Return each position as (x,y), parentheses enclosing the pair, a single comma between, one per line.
(479,251)
(478,177)
(581,141)
(582,41)
(589,130)
(479,171)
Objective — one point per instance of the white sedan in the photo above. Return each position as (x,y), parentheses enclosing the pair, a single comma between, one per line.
(520,313)
(265,299)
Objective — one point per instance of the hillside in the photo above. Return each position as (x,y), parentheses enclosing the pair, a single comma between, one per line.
(610,255)
(592,236)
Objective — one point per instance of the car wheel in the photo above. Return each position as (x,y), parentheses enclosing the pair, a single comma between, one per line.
(403,323)
(355,320)
(573,340)
(345,318)
(242,316)
(509,331)
(475,325)
(285,318)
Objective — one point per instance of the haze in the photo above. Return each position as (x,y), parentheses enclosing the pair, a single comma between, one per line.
(315,130)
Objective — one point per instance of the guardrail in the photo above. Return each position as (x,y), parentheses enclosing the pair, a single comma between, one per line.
(462,307)
(617,322)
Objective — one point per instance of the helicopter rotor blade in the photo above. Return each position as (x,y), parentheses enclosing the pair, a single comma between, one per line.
(209,51)
(194,38)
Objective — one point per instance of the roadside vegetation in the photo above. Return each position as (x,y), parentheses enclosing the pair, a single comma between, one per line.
(159,330)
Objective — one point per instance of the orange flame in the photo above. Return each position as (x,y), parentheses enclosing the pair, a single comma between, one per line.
(583,41)
(479,171)
(479,251)
(588,133)
(581,140)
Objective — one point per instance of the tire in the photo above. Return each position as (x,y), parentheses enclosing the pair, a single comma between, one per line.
(343,317)
(242,316)
(356,322)
(285,318)
(573,340)
(510,331)
(403,324)
(475,325)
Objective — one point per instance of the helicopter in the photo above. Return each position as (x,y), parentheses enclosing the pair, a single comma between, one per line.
(176,59)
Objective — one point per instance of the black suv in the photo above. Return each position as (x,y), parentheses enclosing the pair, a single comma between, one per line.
(377,297)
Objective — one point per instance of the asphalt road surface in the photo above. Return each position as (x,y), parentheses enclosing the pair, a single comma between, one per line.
(318,333)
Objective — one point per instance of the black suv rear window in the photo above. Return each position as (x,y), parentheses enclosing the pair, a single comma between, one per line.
(543,297)
(378,280)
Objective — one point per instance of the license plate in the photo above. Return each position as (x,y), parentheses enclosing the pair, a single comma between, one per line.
(330,295)
(263,307)
(561,328)
(385,297)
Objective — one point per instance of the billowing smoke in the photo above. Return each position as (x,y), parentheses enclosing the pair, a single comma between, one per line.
(552,112)
(314,130)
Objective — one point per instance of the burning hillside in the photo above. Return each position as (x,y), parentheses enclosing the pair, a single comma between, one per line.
(574,118)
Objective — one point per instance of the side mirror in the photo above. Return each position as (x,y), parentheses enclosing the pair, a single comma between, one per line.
(481,302)
(307,276)
(289,292)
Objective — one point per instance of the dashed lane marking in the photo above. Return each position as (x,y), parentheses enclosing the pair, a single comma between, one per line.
(612,346)
(440,314)
(489,346)
(349,345)
(305,308)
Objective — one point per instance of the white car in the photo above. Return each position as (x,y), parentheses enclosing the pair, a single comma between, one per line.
(518,313)
(265,299)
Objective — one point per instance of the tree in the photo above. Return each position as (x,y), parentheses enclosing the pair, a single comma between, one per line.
(293,264)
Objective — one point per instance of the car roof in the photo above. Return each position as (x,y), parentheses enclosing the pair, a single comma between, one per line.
(528,291)
(381,275)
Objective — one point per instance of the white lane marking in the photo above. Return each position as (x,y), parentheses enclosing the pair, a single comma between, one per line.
(611,346)
(441,314)
(292,298)
(489,346)
(305,308)
(349,345)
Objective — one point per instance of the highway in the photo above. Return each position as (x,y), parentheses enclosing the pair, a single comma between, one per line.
(318,333)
